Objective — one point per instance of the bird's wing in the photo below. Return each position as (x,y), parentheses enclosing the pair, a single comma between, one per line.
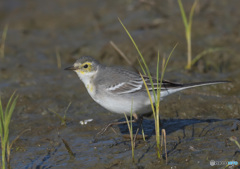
(137,84)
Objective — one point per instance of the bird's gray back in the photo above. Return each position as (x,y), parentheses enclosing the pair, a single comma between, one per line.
(115,75)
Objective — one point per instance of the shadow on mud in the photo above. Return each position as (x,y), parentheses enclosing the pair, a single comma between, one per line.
(170,125)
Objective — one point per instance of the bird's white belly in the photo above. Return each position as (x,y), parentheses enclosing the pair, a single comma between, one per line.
(123,105)
(120,105)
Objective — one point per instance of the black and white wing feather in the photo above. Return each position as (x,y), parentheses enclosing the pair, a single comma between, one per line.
(130,82)
(137,84)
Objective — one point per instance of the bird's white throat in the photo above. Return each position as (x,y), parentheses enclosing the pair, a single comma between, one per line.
(87,79)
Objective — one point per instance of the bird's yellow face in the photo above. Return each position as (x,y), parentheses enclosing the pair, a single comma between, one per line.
(83,68)
(86,69)
(86,72)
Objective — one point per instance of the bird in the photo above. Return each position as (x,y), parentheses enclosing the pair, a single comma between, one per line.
(120,90)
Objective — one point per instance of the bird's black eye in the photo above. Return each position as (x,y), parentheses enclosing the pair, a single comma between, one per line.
(85,66)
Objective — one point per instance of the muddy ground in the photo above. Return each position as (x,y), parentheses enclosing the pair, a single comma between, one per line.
(198,122)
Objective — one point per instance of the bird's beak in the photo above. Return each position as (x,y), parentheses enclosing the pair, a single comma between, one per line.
(71,68)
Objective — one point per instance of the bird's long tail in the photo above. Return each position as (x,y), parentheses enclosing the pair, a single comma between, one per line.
(178,87)
(197,84)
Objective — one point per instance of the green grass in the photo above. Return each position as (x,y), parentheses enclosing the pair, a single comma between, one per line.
(164,139)
(156,110)
(157,95)
(205,52)
(130,128)
(5,116)
(2,47)
(234,139)
(69,150)
(62,119)
(188,30)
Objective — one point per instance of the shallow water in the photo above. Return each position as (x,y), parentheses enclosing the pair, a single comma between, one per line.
(198,122)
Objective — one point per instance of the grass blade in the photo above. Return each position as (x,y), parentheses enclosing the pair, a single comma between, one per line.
(140,54)
(168,60)
(191,15)
(1,119)
(64,117)
(156,99)
(205,52)
(69,150)
(149,95)
(12,107)
(184,17)
(4,36)
(8,115)
(59,63)
(8,105)
(9,146)
(188,28)
(234,139)
(4,128)
(59,116)
(18,136)
(142,59)
(131,133)
(157,77)
(130,128)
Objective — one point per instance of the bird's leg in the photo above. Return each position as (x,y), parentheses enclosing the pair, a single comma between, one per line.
(139,121)
(135,116)
(136,119)
(111,124)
